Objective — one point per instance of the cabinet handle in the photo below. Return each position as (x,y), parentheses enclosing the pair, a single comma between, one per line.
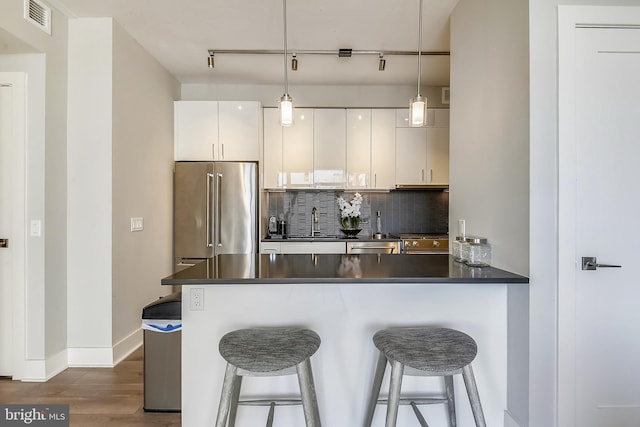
(430,176)
(422,172)
(213,151)
(375,180)
(222,147)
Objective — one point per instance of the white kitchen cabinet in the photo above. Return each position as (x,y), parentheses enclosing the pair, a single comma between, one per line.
(297,150)
(270,247)
(195,130)
(383,148)
(359,146)
(313,247)
(329,148)
(438,155)
(436,117)
(212,130)
(411,156)
(239,130)
(272,169)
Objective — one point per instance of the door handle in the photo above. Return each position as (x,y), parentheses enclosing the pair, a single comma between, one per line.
(4,243)
(591,263)
(208,210)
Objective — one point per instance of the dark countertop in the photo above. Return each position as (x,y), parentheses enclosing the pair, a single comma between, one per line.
(363,238)
(337,268)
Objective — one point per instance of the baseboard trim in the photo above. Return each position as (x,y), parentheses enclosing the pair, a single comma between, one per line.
(509,421)
(105,357)
(44,370)
(127,346)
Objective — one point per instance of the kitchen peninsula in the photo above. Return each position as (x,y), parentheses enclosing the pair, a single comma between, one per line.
(345,299)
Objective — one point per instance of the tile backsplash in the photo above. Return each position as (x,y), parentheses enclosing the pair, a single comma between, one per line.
(401,211)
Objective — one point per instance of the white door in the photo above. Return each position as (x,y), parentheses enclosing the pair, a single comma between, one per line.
(11,217)
(599,199)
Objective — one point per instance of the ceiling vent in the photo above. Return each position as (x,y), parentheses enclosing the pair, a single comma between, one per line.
(39,14)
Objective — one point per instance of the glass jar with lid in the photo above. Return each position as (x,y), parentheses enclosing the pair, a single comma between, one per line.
(456,248)
(479,252)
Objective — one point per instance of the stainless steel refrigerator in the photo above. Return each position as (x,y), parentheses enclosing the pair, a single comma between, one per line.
(215,210)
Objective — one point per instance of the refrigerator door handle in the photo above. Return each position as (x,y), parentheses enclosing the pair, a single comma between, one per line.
(218,219)
(208,213)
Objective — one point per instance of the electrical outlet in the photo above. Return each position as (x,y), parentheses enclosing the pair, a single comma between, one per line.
(197,299)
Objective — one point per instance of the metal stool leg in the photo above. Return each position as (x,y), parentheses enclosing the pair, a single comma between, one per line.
(474,397)
(397,370)
(230,377)
(451,400)
(375,389)
(233,406)
(308,394)
(272,408)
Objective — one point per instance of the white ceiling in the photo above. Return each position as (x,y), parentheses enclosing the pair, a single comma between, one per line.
(178,34)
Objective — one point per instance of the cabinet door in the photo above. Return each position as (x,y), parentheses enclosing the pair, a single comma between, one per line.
(402,117)
(270,247)
(273,174)
(239,130)
(383,148)
(411,155)
(358,148)
(438,155)
(314,247)
(195,130)
(297,150)
(329,147)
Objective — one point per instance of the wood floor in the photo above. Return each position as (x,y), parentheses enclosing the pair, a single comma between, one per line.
(97,397)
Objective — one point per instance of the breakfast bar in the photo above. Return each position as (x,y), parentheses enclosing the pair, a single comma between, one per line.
(345,299)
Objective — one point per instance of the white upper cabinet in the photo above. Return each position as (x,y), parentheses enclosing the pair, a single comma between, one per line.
(383,148)
(358,148)
(438,155)
(297,150)
(195,130)
(329,147)
(212,130)
(411,156)
(239,130)
(273,172)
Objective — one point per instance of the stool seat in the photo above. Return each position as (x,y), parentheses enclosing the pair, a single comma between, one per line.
(436,350)
(268,349)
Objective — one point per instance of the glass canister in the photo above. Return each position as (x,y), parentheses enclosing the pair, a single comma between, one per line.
(479,252)
(456,248)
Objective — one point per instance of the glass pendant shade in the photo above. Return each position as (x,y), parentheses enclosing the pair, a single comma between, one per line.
(286,110)
(418,111)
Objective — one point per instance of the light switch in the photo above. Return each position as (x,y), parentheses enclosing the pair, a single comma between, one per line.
(137,224)
(35,228)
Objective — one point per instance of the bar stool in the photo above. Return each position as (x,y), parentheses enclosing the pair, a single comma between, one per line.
(424,351)
(268,352)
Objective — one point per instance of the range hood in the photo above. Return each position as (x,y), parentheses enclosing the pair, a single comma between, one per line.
(422,187)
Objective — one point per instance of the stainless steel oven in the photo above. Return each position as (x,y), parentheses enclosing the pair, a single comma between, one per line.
(380,247)
(416,243)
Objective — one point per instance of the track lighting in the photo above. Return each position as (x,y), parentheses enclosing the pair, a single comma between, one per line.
(381,63)
(210,60)
(294,62)
(418,104)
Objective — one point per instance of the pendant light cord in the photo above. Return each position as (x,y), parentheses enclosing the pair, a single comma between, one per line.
(284,15)
(419,45)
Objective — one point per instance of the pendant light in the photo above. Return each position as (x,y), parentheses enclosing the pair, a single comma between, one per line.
(418,104)
(286,103)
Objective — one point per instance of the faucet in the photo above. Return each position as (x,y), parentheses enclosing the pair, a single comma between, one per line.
(314,220)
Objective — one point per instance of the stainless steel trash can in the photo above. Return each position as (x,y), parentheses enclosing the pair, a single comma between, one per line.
(162,325)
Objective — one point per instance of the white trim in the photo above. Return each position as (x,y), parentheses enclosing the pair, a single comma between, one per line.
(44,370)
(105,357)
(18,82)
(569,17)
(127,346)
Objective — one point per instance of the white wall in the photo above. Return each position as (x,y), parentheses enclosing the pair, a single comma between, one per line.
(143,95)
(489,155)
(46,195)
(120,166)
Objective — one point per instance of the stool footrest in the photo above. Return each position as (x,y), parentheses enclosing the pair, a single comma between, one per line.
(268,402)
(417,400)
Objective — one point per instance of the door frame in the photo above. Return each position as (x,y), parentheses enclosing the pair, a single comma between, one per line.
(18,240)
(570,19)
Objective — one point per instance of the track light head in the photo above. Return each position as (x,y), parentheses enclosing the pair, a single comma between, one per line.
(211,60)
(294,62)
(382,63)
